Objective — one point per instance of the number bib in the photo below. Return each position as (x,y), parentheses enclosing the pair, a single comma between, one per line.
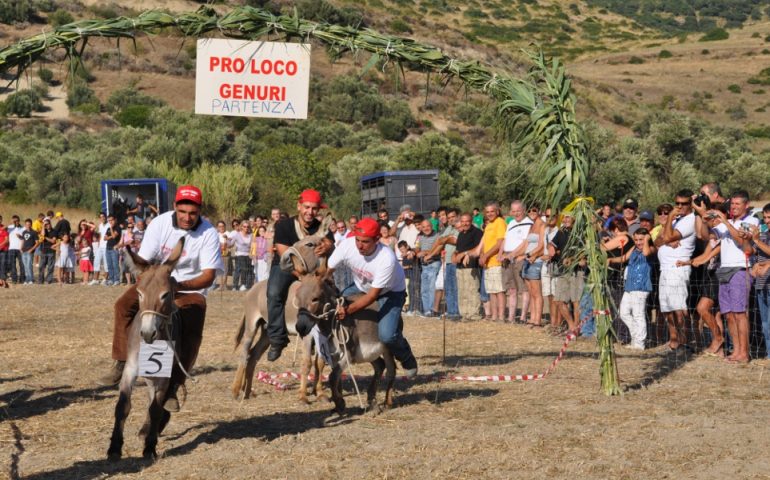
(156,359)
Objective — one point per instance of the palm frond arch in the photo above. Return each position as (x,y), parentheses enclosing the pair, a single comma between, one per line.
(537,110)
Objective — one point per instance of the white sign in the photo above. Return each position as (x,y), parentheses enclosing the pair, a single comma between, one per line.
(156,359)
(252,79)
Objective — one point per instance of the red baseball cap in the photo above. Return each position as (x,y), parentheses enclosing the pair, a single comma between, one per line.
(367,227)
(312,196)
(189,193)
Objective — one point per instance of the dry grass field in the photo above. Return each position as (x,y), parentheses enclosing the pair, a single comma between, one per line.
(680,416)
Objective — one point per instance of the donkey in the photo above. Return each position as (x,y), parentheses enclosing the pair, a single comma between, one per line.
(152,322)
(352,340)
(301,259)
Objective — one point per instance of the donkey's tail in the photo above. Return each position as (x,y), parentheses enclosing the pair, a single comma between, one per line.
(241,330)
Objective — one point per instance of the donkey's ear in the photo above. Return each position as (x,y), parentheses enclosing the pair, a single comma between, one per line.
(135,263)
(176,254)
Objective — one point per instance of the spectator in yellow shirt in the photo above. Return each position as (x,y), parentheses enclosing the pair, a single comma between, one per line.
(494,234)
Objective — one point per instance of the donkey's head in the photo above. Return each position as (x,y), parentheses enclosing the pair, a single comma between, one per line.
(300,258)
(316,301)
(156,291)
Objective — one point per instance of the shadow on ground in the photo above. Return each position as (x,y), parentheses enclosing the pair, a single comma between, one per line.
(266,428)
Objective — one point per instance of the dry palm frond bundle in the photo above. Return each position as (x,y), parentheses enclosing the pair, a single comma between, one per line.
(538,110)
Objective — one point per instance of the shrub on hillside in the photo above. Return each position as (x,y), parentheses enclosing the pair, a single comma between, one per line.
(81,98)
(60,17)
(734,88)
(45,75)
(137,116)
(714,35)
(634,60)
(23,103)
(12,11)
(665,54)
(129,96)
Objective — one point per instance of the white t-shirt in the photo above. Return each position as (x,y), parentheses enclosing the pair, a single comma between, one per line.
(378,270)
(339,237)
(516,233)
(14,242)
(669,255)
(103,228)
(201,247)
(408,234)
(731,255)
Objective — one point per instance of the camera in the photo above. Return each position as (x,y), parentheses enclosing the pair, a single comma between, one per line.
(702,201)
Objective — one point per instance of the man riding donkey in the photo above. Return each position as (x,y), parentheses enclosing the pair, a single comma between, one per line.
(378,277)
(390,297)
(194,273)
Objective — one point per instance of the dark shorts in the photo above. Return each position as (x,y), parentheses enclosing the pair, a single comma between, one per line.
(708,286)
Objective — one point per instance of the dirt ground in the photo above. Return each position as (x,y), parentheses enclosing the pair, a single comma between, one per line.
(684,416)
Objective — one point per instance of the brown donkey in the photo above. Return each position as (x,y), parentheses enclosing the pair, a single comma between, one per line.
(301,258)
(352,340)
(152,322)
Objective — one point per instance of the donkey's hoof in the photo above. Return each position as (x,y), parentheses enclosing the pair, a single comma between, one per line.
(374,410)
(113,455)
(150,454)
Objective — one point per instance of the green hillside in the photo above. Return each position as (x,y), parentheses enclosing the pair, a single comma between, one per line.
(668,103)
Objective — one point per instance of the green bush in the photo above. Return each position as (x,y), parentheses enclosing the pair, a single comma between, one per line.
(736,112)
(391,129)
(80,94)
(734,88)
(634,60)
(12,11)
(758,92)
(399,26)
(665,54)
(60,17)
(705,51)
(129,96)
(714,35)
(45,75)
(23,103)
(137,116)
(761,131)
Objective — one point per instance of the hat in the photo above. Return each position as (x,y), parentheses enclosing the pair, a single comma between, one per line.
(311,196)
(367,227)
(646,215)
(189,193)
(59,214)
(631,203)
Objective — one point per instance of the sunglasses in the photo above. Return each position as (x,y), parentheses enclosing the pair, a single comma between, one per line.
(682,204)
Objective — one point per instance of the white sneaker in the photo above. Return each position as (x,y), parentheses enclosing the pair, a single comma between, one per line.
(243,288)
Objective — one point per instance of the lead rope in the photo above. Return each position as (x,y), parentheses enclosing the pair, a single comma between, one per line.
(341,338)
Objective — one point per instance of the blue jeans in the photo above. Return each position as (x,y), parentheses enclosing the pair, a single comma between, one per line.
(587,314)
(390,324)
(45,273)
(113,265)
(763,300)
(27,259)
(450,289)
(428,285)
(483,295)
(3,267)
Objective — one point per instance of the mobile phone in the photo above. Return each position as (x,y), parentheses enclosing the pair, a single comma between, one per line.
(745,226)
(763,228)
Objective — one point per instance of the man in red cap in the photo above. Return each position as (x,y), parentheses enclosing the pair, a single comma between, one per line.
(379,276)
(194,273)
(287,233)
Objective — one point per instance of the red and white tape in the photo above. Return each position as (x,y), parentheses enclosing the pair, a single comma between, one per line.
(272,378)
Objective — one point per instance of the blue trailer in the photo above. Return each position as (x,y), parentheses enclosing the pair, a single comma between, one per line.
(119,195)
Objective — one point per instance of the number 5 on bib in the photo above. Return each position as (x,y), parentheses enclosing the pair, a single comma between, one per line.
(156,359)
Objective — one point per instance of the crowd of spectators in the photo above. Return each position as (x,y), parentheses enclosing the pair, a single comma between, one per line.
(687,275)
(690,274)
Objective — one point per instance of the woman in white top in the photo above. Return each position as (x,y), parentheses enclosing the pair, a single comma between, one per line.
(243,274)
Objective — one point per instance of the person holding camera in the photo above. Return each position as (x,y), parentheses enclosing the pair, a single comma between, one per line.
(735,237)
(709,196)
(676,243)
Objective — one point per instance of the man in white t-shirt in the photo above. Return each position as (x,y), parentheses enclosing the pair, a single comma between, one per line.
(193,274)
(512,259)
(733,273)
(379,276)
(13,261)
(676,244)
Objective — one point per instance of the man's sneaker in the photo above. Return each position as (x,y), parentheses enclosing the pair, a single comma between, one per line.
(112,378)
(410,368)
(275,352)
(243,288)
